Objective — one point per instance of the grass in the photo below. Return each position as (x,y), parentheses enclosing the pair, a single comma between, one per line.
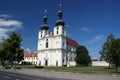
(78,69)
(81,69)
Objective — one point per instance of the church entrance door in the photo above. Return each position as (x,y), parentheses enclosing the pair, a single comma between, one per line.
(56,63)
(46,62)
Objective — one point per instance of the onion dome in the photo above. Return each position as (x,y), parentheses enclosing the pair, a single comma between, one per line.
(45,26)
(60,20)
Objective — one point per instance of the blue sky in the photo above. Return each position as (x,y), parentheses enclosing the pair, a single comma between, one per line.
(88,22)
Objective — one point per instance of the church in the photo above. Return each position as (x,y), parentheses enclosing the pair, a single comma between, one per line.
(55,48)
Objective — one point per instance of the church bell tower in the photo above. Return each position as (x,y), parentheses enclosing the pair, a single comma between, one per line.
(60,28)
(44,30)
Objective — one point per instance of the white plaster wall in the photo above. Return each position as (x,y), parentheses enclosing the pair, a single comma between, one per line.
(60,30)
(32,60)
(99,63)
(52,56)
(72,63)
(55,48)
(53,43)
(71,51)
(39,35)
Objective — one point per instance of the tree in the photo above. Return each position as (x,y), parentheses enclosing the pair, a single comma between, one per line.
(20,55)
(106,49)
(82,56)
(3,52)
(14,49)
(115,50)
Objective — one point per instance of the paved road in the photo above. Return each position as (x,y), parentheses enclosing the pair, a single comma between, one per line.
(53,75)
(15,76)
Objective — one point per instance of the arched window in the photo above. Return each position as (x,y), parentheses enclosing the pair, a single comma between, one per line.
(40,63)
(46,43)
(56,63)
(57,29)
(57,32)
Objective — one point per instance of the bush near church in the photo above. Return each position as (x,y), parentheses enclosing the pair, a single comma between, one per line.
(82,56)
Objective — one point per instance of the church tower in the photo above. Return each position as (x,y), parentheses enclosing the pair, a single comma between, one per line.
(43,32)
(60,28)
(60,34)
(44,28)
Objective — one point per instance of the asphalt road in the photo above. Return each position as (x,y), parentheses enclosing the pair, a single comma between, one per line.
(38,74)
(15,76)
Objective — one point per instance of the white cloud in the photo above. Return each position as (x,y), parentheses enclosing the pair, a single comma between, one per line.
(86,29)
(8,25)
(95,39)
(100,36)
(3,34)
(5,16)
(26,50)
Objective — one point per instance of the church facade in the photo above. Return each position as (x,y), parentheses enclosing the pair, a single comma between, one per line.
(55,48)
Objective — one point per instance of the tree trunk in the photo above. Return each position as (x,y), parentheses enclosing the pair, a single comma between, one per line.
(109,65)
(3,63)
(116,67)
(11,63)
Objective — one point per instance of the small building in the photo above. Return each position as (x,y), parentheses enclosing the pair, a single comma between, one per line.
(31,58)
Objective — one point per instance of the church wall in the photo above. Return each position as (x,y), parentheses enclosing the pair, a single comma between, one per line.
(71,50)
(43,56)
(56,51)
(59,30)
(57,42)
(53,57)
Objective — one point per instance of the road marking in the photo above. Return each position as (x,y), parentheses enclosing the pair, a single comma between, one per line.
(17,79)
(6,77)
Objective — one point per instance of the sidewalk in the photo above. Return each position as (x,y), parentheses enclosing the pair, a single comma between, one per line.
(64,75)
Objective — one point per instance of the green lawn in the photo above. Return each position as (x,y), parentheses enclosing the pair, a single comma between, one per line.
(88,69)
(79,69)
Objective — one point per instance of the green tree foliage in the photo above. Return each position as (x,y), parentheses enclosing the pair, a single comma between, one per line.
(12,49)
(105,52)
(20,55)
(111,51)
(3,52)
(16,53)
(82,56)
(115,50)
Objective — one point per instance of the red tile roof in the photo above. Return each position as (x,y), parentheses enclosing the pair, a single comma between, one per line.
(72,42)
(30,55)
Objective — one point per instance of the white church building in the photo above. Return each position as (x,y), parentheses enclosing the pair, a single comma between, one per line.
(55,48)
